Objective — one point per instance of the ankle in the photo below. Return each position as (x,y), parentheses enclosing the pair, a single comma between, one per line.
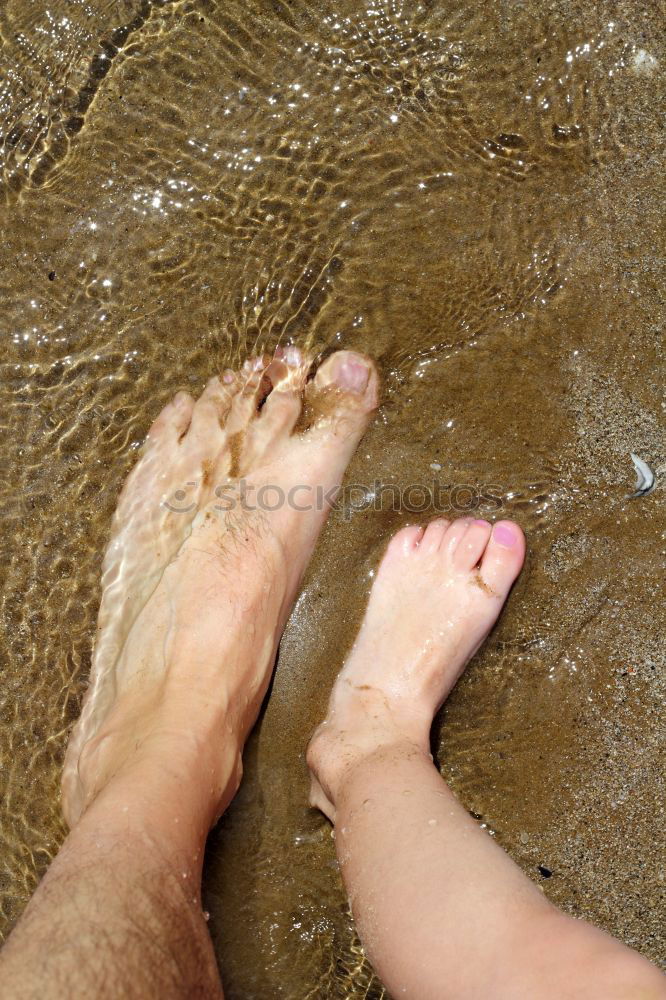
(338,749)
(167,792)
(165,768)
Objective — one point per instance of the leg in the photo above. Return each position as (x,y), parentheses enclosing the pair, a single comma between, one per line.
(118,913)
(441,909)
(212,534)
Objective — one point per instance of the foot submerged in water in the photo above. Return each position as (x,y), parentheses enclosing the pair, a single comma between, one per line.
(200,574)
(437,594)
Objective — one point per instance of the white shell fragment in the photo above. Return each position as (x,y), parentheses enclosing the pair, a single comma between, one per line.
(644,477)
(643,63)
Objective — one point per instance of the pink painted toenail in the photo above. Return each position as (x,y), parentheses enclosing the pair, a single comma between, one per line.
(353,376)
(479,520)
(505,534)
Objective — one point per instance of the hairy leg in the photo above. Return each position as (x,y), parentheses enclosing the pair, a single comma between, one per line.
(442,911)
(198,580)
(118,913)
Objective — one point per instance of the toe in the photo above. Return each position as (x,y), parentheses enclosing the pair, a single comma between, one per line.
(283,379)
(252,389)
(433,535)
(287,374)
(453,535)
(472,545)
(405,542)
(503,558)
(338,404)
(173,421)
(340,400)
(209,414)
(351,375)
(253,382)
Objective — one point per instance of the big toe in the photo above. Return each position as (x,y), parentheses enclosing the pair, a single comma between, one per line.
(503,558)
(343,394)
(352,374)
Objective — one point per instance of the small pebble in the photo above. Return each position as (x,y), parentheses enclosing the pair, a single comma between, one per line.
(544,872)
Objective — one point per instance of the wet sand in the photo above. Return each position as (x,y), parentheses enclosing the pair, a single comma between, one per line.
(472,194)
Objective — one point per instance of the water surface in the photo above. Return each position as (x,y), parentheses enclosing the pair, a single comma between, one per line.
(469,191)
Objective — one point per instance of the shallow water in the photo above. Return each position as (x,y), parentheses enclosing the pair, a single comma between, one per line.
(471,193)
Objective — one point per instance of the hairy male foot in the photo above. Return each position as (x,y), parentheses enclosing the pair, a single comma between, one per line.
(213,531)
(437,594)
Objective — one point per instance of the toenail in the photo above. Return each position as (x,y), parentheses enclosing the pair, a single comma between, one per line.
(505,534)
(479,520)
(292,355)
(353,376)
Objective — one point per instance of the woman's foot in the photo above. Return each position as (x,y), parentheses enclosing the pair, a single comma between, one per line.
(213,531)
(437,594)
